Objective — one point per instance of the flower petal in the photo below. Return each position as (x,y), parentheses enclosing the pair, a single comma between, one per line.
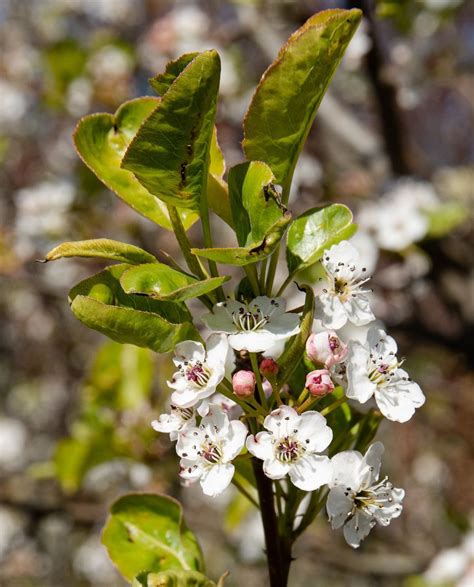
(282,421)
(255,341)
(217,478)
(275,469)
(399,400)
(235,440)
(310,472)
(330,311)
(313,427)
(346,470)
(260,445)
(357,528)
(358,311)
(338,506)
(189,350)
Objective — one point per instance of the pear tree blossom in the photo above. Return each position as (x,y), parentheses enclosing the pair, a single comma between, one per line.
(175,422)
(199,370)
(290,445)
(374,370)
(344,297)
(207,451)
(357,500)
(254,326)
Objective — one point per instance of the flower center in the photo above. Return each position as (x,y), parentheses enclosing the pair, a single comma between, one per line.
(184,414)
(344,280)
(211,452)
(375,497)
(288,449)
(382,369)
(197,373)
(250,318)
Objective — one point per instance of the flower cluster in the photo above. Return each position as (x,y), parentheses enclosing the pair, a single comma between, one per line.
(228,402)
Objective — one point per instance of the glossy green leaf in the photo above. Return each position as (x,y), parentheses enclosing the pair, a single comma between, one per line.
(164,283)
(147,533)
(217,189)
(294,350)
(286,100)
(173,579)
(251,253)
(314,231)
(101,141)
(102,248)
(254,202)
(170,153)
(101,304)
(162,82)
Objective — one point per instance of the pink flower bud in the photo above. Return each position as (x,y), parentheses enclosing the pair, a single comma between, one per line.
(243,383)
(269,368)
(326,348)
(319,382)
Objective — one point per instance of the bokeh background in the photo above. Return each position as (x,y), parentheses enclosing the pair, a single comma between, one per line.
(394,139)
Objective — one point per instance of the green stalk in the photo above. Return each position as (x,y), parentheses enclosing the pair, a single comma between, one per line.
(334,406)
(251,272)
(182,238)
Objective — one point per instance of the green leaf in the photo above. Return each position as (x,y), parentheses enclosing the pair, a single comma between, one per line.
(217,190)
(254,202)
(147,533)
(173,579)
(314,231)
(164,283)
(294,350)
(162,82)
(170,153)
(252,253)
(101,140)
(102,248)
(101,304)
(286,100)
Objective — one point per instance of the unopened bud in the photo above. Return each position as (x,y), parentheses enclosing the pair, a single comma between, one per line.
(243,383)
(269,368)
(326,348)
(319,382)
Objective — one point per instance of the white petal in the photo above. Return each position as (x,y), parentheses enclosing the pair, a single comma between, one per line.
(282,421)
(357,309)
(371,463)
(216,422)
(167,423)
(189,350)
(190,470)
(220,318)
(185,398)
(217,478)
(189,442)
(330,311)
(313,427)
(275,469)
(343,252)
(391,510)
(311,472)
(385,343)
(269,306)
(257,341)
(235,440)
(260,445)
(398,402)
(284,325)
(217,348)
(338,505)
(346,466)
(357,528)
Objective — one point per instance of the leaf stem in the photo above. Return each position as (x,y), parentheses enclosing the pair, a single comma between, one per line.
(251,272)
(334,406)
(180,233)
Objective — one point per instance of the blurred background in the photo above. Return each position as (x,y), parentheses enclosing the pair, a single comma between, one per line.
(394,139)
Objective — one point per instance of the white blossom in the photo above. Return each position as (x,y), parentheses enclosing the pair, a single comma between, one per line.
(344,298)
(290,446)
(199,370)
(174,422)
(255,326)
(357,499)
(207,451)
(374,370)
